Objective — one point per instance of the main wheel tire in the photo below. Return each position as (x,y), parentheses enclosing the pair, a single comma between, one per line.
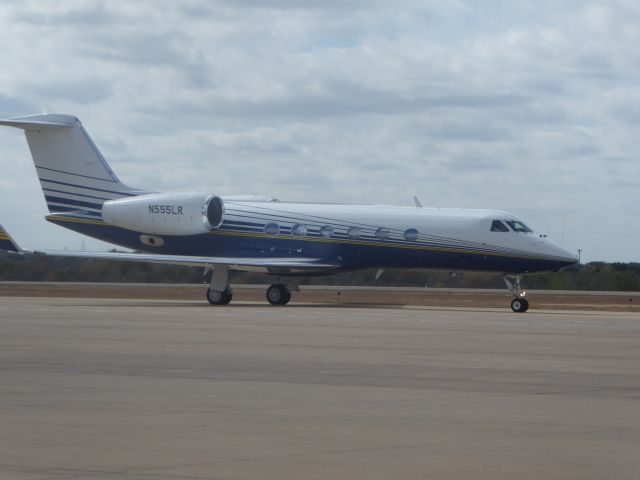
(519,305)
(217,297)
(278,294)
(286,298)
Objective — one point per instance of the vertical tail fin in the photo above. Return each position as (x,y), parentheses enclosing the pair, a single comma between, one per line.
(73,174)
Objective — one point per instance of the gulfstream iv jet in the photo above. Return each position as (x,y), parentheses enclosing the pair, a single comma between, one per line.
(262,234)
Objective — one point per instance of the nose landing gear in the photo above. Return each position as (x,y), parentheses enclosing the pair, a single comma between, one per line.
(519,304)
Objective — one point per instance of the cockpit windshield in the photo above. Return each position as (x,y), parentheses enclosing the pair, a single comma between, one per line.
(498,226)
(518,226)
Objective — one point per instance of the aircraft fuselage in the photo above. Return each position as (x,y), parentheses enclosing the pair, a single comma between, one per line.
(352,236)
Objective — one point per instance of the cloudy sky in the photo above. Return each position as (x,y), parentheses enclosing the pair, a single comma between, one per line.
(527,106)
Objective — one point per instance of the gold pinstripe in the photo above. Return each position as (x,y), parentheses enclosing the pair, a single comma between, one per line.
(369,244)
(55,218)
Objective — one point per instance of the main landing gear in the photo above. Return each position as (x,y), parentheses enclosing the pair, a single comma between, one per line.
(220,293)
(219,297)
(278,294)
(519,304)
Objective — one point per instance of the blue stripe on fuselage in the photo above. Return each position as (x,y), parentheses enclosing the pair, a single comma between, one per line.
(77,174)
(88,188)
(73,193)
(68,201)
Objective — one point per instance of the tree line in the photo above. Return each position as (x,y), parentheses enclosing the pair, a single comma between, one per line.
(591,276)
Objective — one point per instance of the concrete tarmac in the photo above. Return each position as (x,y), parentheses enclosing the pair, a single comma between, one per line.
(138,389)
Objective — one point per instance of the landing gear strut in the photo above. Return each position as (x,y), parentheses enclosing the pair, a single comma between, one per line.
(519,304)
(278,294)
(219,292)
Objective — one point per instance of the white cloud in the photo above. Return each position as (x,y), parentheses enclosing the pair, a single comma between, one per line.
(531,107)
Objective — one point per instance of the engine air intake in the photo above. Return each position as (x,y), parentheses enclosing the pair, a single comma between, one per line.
(213,212)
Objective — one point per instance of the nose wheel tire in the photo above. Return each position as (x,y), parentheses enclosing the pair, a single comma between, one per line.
(278,294)
(519,305)
(217,297)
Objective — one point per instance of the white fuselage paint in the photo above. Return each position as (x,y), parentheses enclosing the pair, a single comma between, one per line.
(467,230)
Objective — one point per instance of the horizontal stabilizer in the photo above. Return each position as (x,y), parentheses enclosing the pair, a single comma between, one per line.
(7,243)
(38,122)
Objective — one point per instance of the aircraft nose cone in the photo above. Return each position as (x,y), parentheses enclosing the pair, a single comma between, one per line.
(571,259)
(567,257)
(562,257)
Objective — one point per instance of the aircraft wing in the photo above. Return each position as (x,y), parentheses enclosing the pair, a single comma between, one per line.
(249,264)
(274,265)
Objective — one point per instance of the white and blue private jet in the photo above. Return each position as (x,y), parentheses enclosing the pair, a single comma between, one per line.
(261,234)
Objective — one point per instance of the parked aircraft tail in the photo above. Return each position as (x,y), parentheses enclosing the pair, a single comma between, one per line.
(7,243)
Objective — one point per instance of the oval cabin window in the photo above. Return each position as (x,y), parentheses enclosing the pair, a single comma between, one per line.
(272,229)
(383,233)
(326,231)
(411,234)
(354,232)
(299,230)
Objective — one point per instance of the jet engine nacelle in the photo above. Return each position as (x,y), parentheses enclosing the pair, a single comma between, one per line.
(166,213)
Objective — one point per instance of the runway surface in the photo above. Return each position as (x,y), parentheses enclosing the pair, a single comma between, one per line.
(139,389)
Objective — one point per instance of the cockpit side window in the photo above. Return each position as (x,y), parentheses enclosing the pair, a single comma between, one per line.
(518,226)
(498,226)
